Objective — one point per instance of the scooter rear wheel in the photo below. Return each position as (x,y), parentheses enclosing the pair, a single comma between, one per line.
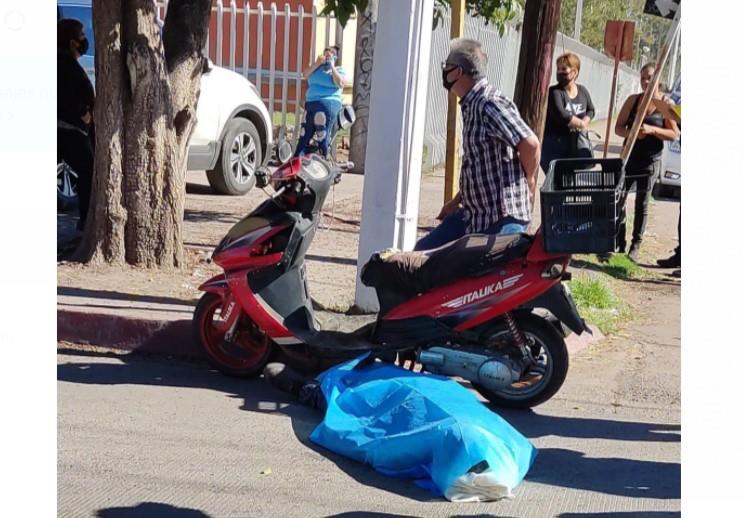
(548,346)
(245,355)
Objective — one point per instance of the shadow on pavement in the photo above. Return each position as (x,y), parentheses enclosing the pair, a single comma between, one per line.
(116,295)
(629,514)
(210,215)
(534,425)
(151,510)
(612,476)
(368,514)
(556,467)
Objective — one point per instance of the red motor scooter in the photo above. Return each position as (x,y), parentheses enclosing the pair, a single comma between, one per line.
(466,309)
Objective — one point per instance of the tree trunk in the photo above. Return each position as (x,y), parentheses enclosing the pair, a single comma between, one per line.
(147,89)
(365,30)
(538,34)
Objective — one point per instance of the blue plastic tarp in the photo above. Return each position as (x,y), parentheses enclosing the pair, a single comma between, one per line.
(423,427)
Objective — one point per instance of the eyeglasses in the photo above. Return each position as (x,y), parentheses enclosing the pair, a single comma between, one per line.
(445,65)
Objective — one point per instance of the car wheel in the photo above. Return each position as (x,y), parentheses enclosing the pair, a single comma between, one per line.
(67,180)
(241,154)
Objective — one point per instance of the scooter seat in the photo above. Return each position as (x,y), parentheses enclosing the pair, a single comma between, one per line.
(410,273)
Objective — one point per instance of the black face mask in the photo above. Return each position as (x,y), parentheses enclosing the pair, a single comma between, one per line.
(82,45)
(563,79)
(448,84)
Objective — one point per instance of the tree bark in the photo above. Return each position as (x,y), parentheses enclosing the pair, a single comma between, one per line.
(365,31)
(538,34)
(147,87)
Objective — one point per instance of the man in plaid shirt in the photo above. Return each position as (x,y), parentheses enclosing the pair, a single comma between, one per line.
(500,163)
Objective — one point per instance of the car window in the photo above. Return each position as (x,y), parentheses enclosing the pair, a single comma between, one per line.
(85,15)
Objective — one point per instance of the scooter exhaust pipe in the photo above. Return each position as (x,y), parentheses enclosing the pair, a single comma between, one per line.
(493,372)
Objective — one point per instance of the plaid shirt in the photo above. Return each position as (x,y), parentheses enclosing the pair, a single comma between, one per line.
(492,182)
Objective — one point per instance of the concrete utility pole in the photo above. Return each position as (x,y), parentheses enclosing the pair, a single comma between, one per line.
(578,20)
(674,60)
(394,152)
(451,169)
(365,30)
(539,31)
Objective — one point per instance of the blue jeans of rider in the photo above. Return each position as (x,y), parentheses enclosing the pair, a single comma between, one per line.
(319,119)
(454,226)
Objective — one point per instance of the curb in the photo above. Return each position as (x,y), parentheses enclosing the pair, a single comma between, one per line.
(175,337)
(577,343)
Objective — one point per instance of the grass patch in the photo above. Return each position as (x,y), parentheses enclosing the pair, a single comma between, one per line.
(619,266)
(598,304)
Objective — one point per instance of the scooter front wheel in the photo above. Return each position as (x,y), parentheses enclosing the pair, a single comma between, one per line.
(245,355)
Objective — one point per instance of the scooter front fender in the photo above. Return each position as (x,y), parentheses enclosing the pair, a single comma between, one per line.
(217,285)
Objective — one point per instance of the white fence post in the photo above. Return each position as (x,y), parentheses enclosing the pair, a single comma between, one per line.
(300,69)
(272,63)
(285,79)
(233,33)
(220,35)
(246,38)
(259,51)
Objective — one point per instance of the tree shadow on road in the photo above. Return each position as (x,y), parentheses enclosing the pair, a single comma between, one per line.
(151,510)
(614,476)
(628,514)
(70,291)
(534,425)
(198,216)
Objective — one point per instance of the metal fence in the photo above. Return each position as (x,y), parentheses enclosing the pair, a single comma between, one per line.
(270,46)
(503,54)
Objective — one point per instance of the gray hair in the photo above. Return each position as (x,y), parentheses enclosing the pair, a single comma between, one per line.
(469,55)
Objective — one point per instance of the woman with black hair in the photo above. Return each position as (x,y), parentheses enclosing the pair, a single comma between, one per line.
(643,165)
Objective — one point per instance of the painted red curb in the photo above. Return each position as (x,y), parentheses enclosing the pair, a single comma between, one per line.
(577,343)
(133,334)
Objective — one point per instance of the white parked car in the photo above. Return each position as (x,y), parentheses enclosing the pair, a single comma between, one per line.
(669,181)
(233,133)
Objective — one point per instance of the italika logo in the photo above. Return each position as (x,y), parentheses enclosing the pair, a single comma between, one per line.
(483,292)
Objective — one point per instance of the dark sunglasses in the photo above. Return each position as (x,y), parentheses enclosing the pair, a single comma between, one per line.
(445,65)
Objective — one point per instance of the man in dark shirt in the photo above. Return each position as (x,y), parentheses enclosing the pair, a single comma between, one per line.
(75,98)
(500,162)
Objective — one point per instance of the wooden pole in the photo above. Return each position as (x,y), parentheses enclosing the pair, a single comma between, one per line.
(451,171)
(647,97)
(538,34)
(617,58)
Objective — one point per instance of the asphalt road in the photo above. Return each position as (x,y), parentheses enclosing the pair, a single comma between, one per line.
(148,436)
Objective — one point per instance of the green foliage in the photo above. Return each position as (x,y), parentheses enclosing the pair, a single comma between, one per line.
(598,304)
(343,9)
(592,293)
(650,31)
(497,12)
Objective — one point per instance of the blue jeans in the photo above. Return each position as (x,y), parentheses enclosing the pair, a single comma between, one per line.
(319,117)
(453,227)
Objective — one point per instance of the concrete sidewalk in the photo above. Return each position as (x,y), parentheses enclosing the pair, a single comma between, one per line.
(151,311)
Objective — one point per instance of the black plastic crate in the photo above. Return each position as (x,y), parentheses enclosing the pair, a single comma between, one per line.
(581,205)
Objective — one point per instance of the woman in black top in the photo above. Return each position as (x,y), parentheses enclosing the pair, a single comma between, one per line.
(643,165)
(569,109)
(75,98)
